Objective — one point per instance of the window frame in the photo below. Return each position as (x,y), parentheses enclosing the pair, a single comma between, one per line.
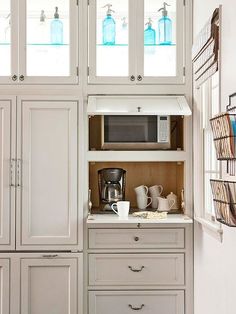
(202,214)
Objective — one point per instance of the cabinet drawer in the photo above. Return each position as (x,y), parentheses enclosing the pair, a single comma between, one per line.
(128,302)
(136,238)
(136,269)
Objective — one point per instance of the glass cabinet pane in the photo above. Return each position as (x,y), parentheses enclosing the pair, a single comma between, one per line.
(47,37)
(159,38)
(5,38)
(112,29)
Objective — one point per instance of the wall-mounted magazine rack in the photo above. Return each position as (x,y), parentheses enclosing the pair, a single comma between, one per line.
(224,133)
(224,198)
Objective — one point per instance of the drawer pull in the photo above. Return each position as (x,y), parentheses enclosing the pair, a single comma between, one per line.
(49,255)
(136,308)
(136,239)
(136,270)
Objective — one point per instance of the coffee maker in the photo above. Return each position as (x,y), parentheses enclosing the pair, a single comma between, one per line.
(111,182)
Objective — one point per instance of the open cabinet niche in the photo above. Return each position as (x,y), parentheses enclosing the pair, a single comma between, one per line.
(168,174)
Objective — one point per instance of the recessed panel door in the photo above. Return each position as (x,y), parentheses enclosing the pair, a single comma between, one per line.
(47,175)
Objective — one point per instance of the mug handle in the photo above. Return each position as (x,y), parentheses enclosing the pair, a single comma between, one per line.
(173,203)
(151,201)
(113,208)
(146,188)
(160,189)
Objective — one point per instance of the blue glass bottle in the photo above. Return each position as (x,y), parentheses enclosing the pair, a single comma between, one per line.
(56,29)
(109,28)
(149,34)
(165,27)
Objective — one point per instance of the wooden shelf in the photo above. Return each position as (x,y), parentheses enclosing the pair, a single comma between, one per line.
(141,156)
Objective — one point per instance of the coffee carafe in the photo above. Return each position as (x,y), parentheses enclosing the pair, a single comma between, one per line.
(111,183)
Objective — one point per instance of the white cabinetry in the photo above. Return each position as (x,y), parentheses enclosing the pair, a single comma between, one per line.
(32,50)
(7,172)
(126,302)
(41,177)
(128,58)
(148,268)
(41,283)
(5,286)
(49,285)
(47,162)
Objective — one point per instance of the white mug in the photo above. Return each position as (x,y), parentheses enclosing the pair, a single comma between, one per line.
(122,208)
(141,190)
(165,205)
(155,191)
(142,202)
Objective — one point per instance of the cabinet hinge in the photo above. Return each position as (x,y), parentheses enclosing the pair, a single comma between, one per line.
(77,71)
(88,71)
(184,71)
(77,2)
(88,2)
(184,2)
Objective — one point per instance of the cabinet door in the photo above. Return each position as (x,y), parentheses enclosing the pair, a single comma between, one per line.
(7,172)
(4,287)
(160,42)
(8,41)
(47,175)
(49,285)
(48,49)
(111,42)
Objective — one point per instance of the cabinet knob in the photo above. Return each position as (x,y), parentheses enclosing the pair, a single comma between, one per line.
(139,78)
(136,239)
(14,78)
(22,78)
(132,78)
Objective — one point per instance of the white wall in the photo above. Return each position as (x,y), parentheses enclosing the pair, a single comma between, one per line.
(215,262)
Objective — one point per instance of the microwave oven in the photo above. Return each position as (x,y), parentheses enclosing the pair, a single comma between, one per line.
(135,132)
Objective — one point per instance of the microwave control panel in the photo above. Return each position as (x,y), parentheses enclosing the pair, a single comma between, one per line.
(163,125)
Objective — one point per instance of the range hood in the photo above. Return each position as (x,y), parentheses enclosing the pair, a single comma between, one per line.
(138,105)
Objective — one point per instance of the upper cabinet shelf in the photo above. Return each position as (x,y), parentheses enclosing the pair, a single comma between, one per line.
(136,42)
(38,42)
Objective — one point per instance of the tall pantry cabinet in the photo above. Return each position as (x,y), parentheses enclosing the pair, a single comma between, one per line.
(39,206)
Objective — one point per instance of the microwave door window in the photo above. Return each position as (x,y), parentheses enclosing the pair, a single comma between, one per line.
(130,129)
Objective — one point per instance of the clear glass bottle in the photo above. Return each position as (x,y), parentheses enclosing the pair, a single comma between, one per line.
(149,34)
(43,32)
(109,27)
(56,29)
(165,27)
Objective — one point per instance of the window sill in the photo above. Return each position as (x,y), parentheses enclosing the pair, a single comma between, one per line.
(214,229)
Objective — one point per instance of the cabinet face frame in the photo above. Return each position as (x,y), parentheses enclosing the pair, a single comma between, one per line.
(63,80)
(136,48)
(7,213)
(23,239)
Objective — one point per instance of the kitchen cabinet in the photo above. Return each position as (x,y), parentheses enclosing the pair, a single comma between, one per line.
(41,175)
(5,286)
(36,283)
(38,44)
(49,285)
(129,59)
(139,265)
(7,171)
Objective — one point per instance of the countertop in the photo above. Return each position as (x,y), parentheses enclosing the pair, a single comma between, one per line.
(112,219)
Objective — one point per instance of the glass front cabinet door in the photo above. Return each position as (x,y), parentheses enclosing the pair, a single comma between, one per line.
(45,48)
(136,41)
